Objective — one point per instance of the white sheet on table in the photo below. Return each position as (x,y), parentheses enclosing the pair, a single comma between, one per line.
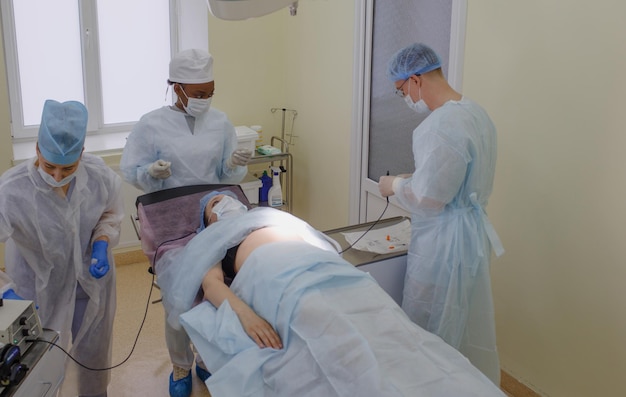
(385,240)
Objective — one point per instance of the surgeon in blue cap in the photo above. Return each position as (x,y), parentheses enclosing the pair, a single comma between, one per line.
(60,214)
(447,288)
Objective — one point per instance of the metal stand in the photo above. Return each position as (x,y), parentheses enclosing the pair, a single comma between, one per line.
(283,157)
(294,113)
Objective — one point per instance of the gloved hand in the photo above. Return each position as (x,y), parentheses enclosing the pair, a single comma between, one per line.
(99,259)
(10,294)
(160,169)
(239,157)
(385,185)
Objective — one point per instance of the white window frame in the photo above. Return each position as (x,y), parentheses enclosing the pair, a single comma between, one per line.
(188,29)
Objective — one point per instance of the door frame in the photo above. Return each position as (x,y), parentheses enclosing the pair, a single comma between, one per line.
(366,203)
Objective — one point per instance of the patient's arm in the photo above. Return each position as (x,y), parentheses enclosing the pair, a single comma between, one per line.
(215,291)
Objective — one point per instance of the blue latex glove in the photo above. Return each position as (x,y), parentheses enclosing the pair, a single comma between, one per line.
(10,294)
(99,259)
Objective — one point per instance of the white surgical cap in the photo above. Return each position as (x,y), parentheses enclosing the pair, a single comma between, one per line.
(415,59)
(192,66)
(62,131)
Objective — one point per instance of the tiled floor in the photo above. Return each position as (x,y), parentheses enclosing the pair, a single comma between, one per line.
(147,371)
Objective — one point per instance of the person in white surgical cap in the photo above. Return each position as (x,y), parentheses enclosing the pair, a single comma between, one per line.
(188,143)
(447,287)
(60,214)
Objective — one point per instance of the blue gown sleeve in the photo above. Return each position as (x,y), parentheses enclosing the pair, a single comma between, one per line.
(440,170)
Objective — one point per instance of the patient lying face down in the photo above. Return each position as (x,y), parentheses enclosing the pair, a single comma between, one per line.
(223,206)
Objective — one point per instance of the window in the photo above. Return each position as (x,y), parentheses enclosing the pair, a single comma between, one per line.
(111,55)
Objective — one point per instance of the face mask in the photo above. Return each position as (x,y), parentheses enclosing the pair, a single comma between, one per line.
(52,182)
(196,107)
(228,207)
(418,107)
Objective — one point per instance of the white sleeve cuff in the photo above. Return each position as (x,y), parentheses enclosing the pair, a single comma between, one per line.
(395,185)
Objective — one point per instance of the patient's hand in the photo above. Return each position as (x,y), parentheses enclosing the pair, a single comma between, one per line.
(216,292)
(259,330)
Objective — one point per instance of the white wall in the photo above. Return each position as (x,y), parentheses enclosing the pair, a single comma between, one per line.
(551,74)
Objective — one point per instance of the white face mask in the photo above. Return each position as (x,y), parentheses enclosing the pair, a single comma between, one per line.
(196,107)
(418,107)
(52,182)
(228,207)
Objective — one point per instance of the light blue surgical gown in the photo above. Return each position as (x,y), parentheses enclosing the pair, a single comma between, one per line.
(198,149)
(48,251)
(447,286)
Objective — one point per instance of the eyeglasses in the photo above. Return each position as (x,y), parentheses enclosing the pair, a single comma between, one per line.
(400,91)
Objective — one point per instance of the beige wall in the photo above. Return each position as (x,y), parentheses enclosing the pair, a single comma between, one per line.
(551,74)
(303,63)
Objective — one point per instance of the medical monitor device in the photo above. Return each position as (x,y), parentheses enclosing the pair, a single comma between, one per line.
(19,323)
(234,10)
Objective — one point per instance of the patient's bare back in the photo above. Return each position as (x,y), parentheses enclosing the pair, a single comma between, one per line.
(262,236)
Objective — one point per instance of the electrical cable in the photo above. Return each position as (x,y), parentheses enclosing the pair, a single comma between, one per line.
(370,228)
(145,314)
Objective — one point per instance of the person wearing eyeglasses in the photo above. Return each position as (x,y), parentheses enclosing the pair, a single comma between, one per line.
(188,143)
(447,287)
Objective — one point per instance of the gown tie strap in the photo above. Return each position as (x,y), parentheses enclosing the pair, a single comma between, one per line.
(496,244)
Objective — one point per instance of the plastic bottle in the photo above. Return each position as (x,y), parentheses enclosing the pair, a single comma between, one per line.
(259,131)
(266,180)
(275,195)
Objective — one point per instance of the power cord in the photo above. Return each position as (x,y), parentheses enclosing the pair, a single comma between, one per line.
(370,228)
(116,365)
(145,314)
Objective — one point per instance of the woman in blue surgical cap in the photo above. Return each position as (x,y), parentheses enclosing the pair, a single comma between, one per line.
(60,213)
(447,288)
(188,143)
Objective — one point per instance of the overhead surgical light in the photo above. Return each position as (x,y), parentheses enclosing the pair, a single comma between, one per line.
(234,10)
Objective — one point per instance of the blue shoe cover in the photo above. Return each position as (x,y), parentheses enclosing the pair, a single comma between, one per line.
(181,387)
(202,373)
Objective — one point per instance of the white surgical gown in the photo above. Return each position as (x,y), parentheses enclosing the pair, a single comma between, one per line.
(447,287)
(49,251)
(198,156)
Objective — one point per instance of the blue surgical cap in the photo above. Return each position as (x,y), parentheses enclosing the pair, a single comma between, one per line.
(205,200)
(62,131)
(416,59)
